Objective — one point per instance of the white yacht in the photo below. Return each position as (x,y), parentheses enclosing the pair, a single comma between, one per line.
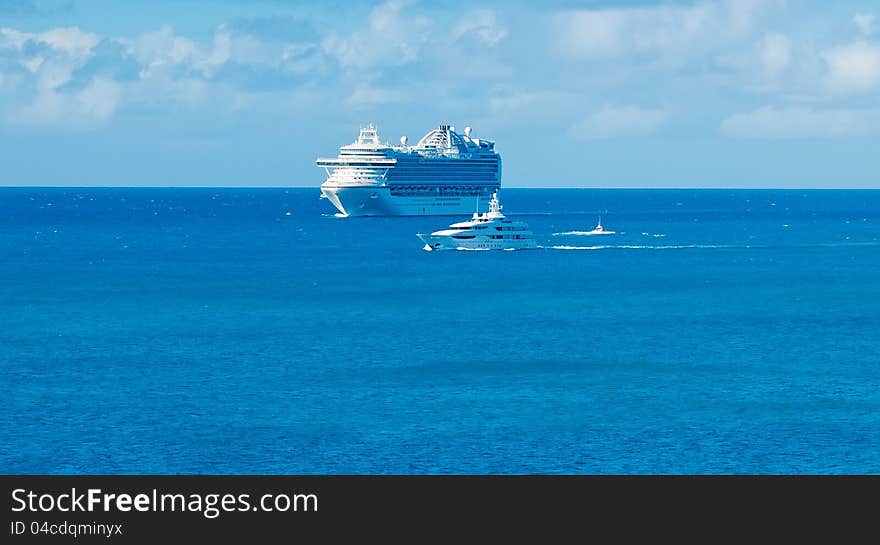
(441,175)
(487,231)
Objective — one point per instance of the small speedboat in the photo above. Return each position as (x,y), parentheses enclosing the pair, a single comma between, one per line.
(599,230)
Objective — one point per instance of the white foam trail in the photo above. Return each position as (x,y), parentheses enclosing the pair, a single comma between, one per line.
(838,244)
(578,247)
(716,246)
(647,247)
(581,233)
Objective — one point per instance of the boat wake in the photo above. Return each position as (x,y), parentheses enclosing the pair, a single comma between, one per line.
(577,247)
(712,246)
(668,247)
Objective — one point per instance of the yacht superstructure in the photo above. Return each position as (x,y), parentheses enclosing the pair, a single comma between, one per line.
(445,173)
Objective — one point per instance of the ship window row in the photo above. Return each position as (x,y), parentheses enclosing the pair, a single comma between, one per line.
(444,164)
(445,160)
(483,189)
(457,168)
(440,191)
(435,175)
(440,177)
(356,165)
(493,184)
(409,168)
(484,178)
(361,158)
(444,152)
(450,174)
(429,168)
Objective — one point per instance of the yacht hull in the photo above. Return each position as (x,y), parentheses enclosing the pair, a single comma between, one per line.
(435,243)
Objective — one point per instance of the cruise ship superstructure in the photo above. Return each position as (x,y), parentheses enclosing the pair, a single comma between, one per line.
(445,173)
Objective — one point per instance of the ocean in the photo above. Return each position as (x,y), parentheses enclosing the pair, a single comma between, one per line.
(249,331)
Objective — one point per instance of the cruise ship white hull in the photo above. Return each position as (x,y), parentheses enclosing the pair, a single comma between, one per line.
(378,201)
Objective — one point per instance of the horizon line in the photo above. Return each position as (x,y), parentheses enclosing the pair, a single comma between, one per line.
(703,188)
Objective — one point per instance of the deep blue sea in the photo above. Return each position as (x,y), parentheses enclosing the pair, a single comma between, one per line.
(250,331)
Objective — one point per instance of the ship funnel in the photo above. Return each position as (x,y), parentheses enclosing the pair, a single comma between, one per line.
(403,140)
(467,132)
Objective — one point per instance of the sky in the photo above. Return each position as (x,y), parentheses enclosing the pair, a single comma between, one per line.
(714,93)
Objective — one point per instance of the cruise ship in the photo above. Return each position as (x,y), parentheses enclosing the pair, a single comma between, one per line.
(445,173)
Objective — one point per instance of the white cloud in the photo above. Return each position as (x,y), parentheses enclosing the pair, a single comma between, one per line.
(72,41)
(11,38)
(865,24)
(33,64)
(615,32)
(51,56)
(98,100)
(51,60)
(531,107)
(853,68)
(66,76)
(90,106)
(300,58)
(392,38)
(482,25)
(616,122)
(367,95)
(741,15)
(703,48)
(162,49)
(801,122)
(775,54)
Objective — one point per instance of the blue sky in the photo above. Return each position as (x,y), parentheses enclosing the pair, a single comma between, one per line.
(714,93)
